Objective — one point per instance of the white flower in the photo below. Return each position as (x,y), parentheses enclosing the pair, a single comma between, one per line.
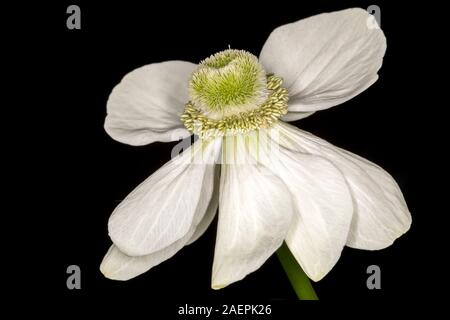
(316,197)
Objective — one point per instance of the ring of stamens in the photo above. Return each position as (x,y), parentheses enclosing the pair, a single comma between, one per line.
(262,117)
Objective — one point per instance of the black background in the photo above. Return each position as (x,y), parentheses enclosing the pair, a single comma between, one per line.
(83,174)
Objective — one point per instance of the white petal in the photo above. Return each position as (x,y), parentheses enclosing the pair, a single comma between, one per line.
(294,116)
(147,104)
(118,266)
(211,210)
(166,205)
(324,209)
(380,211)
(326,59)
(254,215)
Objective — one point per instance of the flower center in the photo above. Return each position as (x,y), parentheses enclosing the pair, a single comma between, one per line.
(230,94)
(227,83)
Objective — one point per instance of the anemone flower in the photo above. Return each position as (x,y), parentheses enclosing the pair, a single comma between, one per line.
(271,182)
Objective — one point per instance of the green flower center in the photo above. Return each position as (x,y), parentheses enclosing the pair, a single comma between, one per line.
(230,93)
(228,82)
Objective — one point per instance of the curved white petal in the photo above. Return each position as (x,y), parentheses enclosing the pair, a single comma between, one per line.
(294,116)
(323,204)
(147,104)
(325,59)
(211,211)
(118,266)
(254,215)
(380,211)
(166,205)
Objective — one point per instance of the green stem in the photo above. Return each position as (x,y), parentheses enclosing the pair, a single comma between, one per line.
(299,280)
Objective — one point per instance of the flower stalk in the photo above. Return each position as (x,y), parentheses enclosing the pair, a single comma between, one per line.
(298,278)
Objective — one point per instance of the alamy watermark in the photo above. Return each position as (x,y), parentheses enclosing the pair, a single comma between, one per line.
(74,279)
(374,280)
(374,21)
(73,21)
